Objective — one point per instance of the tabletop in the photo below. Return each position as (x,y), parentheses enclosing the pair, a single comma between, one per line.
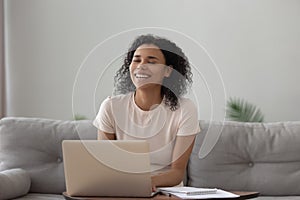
(242,194)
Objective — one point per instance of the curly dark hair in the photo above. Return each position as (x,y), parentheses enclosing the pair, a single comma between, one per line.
(173,86)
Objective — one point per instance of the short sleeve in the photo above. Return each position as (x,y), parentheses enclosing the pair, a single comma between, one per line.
(104,120)
(188,123)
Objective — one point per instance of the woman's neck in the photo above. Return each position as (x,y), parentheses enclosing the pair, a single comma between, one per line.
(146,98)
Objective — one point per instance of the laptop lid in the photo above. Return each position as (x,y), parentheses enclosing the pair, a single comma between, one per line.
(119,168)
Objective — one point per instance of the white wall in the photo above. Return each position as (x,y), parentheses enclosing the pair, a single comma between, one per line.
(2,82)
(254,44)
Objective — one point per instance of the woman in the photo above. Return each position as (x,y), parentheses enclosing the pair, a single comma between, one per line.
(151,82)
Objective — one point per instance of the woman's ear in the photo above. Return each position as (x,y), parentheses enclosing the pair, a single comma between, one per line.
(168,70)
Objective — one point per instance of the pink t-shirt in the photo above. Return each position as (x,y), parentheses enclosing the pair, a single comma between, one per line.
(160,126)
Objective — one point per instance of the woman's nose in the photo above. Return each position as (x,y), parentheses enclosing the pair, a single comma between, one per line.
(142,65)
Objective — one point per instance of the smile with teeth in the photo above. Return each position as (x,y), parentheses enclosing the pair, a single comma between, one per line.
(142,75)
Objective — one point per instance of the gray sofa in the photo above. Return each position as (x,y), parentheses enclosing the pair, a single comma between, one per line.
(247,156)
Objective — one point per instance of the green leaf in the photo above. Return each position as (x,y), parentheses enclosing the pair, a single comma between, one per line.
(79,117)
(240,110)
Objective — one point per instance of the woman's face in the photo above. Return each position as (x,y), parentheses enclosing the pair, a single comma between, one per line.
(148,66)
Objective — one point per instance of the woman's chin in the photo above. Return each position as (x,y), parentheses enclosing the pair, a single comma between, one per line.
(147,86)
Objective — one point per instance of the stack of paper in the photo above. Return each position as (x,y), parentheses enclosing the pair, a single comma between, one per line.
(197,193)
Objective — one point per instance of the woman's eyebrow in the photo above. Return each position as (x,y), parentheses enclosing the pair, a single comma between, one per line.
(153,57)
(150,57)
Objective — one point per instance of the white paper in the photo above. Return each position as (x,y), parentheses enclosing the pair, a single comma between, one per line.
(189,190)
(219,194)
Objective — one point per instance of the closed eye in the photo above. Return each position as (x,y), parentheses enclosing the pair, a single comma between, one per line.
(137,61)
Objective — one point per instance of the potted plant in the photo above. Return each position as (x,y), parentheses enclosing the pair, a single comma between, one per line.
(238,109)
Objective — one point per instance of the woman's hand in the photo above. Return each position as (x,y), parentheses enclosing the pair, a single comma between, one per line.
(153,188)
(181,153)
(153,185)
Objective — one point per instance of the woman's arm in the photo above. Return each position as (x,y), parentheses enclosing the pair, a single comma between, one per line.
(106,136)
(182,151)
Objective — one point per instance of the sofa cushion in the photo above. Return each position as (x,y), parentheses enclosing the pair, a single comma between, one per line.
(14,183)
(262,157)
(35,146)
(37,196)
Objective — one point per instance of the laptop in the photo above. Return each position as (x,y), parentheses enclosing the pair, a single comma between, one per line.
(111,168)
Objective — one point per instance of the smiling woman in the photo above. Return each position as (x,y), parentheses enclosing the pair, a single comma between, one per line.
(149,106)
(147,72)
(172,87)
